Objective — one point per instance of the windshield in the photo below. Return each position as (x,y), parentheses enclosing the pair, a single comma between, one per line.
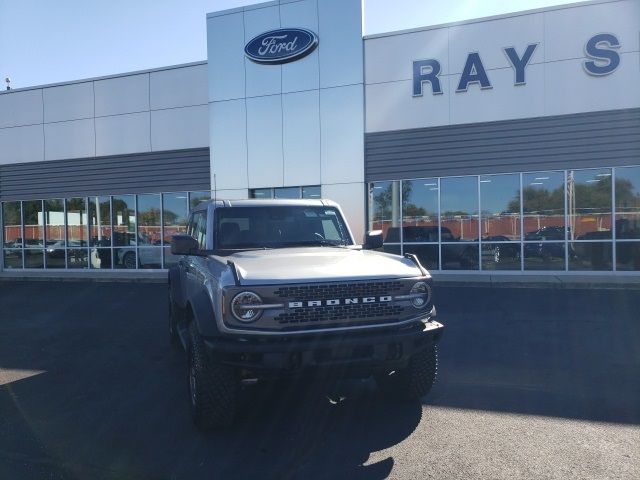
(279,226)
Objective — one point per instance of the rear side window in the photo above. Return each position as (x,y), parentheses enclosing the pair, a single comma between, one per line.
(197,228)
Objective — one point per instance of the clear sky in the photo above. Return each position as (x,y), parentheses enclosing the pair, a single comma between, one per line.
(47,41)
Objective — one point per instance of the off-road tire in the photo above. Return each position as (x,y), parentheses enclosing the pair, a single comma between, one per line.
(174,317)
(213,388)
(414,381)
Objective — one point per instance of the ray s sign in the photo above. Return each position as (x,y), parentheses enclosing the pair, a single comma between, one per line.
(281,46)
(600,51)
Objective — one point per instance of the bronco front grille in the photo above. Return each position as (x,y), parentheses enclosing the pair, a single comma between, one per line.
(339,290)
(371,311)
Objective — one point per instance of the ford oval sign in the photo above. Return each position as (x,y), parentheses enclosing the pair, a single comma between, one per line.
(281,46)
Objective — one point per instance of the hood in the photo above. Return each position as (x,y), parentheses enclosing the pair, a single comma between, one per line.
(319,264)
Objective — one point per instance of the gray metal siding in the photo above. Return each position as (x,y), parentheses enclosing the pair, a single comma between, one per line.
(607,138)
(138,173)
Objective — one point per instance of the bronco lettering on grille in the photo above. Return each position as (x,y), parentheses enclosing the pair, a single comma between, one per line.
(340,301)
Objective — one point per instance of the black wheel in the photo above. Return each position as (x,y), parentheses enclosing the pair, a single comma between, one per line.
(414,381)
(213,388)
(129,260)
(174,317)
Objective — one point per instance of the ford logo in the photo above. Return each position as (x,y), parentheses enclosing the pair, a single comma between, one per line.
(281,46)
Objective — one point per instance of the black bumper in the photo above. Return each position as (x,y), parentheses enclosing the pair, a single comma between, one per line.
(357,353)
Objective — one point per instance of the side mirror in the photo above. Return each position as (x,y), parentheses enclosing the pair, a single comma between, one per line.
(373,240)
(182,244)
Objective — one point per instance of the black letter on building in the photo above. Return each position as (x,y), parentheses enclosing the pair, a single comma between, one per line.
(598,48)
(473,73)
(518,63)
(419,76)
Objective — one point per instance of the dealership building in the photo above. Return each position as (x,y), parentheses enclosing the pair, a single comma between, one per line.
(502,144)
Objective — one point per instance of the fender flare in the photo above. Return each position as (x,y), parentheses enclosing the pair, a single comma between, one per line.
(203,314)
(174,286)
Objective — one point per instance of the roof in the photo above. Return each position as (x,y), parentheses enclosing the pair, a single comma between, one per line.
(218,203)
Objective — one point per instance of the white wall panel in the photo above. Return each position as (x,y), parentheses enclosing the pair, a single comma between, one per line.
(261,79)
(350,196)
(68,102)
(20,108)
(21,144)
(123,134)
(490,37)
(264,141)
(391,58)
(342,124)
(504,101)
(340,47)
(228,136)
(179,87)
(115,96)
(71,139)
(301,138)
(568,30)
(225,54)
(302,74)
(178,128)
(391,106)
(237,194)
(568,92)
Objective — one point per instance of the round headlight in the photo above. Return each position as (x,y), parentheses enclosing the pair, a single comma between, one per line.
(241,307)
(422,293)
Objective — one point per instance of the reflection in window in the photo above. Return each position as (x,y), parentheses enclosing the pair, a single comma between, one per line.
(261,193)
(384,209)
(500,256)
(628,256)
(543,206)
(174,214)
(12,226)
(150,257)
(311,192)
(287,192)
(420,210)
(55,244)
(500,204)
(149,230)
(196,197)
(459,207)
(33,222)
(33,258)
(123,213)
(460,256)
(426,253)
(628,202)
(544,256)
(99,222)
(589,204)
(590,256)
(76,223)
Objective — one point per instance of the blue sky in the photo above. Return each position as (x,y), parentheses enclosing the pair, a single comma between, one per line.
(45,41)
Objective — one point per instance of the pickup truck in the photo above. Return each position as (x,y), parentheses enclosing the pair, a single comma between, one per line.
(266,289)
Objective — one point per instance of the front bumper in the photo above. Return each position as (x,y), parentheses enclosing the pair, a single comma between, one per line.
(360,353)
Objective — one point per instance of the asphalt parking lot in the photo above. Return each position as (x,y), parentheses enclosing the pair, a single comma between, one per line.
(533,383)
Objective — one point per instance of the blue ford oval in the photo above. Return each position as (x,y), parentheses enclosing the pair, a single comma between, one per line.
(281,46)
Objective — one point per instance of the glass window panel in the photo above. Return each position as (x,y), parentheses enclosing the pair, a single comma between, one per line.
(196,197)
(286,192)
(460,256)
(628,202)
(12,258)
(77,223)
(543,206)
(261,193)
(100,258)
(150,257)
(544,256)
(420,210)
(33,222)
(123,213)
(459,208)
(394,249)
(77,258)
(500,205)
(590,256)
(54,219)
(384,209)
(169,258)
(99,222)
(589,204)
(427,254)
(55,257)
(33,258)
(12,226)
(500,256)
(311,192)
(628,256)
(125,258)
(174,215)
(149,230)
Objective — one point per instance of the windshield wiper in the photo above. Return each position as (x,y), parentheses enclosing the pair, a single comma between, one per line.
(310,243)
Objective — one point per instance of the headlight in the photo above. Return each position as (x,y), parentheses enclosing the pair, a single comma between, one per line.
(421,295)
(241,307)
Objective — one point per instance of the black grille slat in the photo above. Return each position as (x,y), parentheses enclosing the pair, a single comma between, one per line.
(336,290)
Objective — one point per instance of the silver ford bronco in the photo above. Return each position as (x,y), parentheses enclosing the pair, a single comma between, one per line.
(273,288)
